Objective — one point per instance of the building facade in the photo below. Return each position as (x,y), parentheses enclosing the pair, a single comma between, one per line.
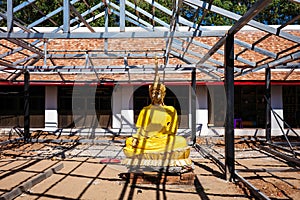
(101,100)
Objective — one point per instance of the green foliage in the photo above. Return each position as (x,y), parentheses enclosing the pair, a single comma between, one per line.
(278,12)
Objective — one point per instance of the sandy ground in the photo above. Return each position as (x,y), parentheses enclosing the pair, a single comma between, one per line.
(84,177)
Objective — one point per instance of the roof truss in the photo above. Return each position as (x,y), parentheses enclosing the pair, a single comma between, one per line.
(179,35)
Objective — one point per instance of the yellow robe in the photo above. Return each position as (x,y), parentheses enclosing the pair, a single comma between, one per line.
(157,128)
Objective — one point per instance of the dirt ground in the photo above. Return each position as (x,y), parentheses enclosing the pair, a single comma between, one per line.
(84,177)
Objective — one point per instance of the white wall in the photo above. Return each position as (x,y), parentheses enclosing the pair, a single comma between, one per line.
(202,108)
(51,116)
(277,105)
(122,107)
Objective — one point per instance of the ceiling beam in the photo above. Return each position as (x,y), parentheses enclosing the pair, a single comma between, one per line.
(109,55)
(206,67)
(110,35)
(221,52)
(279,62)
(252,12)
(254,47)
(173,24)
(81,18)
(237,17)
(21,6)
(25,45)
(2,63)
(150,16)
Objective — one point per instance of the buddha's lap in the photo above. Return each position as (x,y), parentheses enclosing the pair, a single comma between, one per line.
(154,144)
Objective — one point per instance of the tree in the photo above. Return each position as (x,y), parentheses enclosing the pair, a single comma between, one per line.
(278,12)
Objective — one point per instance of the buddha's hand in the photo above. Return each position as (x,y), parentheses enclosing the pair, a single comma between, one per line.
(135,142)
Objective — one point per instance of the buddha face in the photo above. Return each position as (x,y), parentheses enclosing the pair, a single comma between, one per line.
(157,94)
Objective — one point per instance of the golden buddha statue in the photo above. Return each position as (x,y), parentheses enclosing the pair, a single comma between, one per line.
(155,143)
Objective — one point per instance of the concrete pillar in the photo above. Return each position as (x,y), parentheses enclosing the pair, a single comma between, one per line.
(202,108)
(127,113)
(277,106)
(122,107)
(116,107)
(51,115)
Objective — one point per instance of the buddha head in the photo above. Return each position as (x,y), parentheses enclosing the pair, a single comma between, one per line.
(157,92)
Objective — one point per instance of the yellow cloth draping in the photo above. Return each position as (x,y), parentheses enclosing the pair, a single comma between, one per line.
(157,127)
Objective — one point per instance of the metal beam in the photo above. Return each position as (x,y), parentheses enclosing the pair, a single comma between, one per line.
(205,68)
(260,50)
(21,6)
(267,104)
(5,64)
(66,16)
(174,19)
(193,107)
(122,15)
(109,55)
(110,35)
(10,17)
(159,21)
(252,12)
(181,20)
(81,18)
(16,24)
(26,107)
(254,48)
(26,59)
(56,30)
(179,47)
(48,16)
(221,52)
(131,18)
(237,17)
(195,17)
(25,45)
(278,62)
(106,68)
(229,88)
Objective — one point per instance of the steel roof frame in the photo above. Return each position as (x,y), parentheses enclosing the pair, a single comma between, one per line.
(172,35)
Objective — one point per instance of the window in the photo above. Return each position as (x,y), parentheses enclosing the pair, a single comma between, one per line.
(84,106)
(291,105)
(216,106)
(12,106)
(249,104)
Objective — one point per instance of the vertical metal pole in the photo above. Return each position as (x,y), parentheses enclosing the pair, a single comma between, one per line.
(66,13)
(26,106)
(45,52)
(106,29)
(193,106)
(10,18)
(268,104)
(122,15)
(229,88)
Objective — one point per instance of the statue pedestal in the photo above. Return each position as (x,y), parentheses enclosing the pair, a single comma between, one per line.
(158,178)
